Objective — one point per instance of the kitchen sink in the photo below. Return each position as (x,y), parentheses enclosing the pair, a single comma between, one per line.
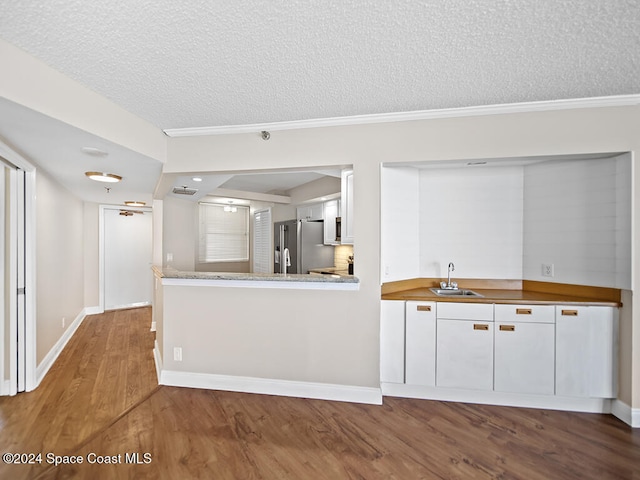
(458,292)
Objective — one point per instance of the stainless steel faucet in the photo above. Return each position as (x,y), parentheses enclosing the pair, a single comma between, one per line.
(449,285)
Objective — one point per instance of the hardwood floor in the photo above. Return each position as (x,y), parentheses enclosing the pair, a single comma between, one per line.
(101,399)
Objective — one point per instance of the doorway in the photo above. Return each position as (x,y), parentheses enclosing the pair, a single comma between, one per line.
(126,257)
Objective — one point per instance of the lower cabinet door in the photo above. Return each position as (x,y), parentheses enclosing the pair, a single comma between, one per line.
(392,341)
(586,339)
(420,363)
(464,354)
(525,358)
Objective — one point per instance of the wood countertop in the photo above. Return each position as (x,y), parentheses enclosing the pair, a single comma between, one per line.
(506,292)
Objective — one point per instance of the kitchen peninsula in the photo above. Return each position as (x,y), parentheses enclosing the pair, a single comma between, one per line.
(260,333)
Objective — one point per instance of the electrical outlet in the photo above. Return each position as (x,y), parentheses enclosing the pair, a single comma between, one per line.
(63,321)
(547,269)
(169,257)
(177,354)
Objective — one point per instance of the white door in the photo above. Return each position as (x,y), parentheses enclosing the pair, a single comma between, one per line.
(127,257)
(12,280)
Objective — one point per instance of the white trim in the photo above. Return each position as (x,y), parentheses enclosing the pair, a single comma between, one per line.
(153,326)
(93,310)
(523,107)
(285,388)
(157,359)
(630,416)
(31,380)
(54,353)
(130,305)
(320,285)
(548,402)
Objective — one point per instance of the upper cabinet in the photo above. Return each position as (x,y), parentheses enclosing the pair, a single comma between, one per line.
(346,207)
(310,213)
(331,213)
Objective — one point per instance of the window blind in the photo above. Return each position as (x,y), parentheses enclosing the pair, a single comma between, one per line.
(262,241)
(223,235)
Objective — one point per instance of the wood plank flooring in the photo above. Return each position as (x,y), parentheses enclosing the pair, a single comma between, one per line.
(106,404)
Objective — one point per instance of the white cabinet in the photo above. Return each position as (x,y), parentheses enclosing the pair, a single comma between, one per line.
(524,349)
(392,336)
(586,339)
(346,207)
(331,212)
(312,212)
(464,346)
(420,358)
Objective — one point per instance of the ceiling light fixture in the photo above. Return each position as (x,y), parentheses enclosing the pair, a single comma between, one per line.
(130,203)
(103,177)
(196,179)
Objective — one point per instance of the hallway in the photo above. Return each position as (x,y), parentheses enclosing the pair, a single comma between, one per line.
(100,403)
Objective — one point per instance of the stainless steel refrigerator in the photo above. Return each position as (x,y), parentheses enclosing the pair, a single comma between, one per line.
(303,241)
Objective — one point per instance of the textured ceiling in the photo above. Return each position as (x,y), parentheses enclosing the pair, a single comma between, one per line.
(218,63)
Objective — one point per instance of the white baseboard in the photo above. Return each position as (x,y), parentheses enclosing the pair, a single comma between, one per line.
(548,402)
(285,388)
(157,358)
(126,306)
(93,310)
(630,416)
(54,353)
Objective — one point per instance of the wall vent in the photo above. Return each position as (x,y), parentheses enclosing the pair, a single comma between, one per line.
(184,190)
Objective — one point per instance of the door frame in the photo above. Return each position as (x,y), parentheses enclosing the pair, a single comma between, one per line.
(26,338)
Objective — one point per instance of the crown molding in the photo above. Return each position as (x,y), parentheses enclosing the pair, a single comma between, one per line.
(524,107)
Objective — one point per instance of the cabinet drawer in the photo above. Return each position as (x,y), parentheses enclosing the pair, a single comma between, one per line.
(465,311)
(525,313)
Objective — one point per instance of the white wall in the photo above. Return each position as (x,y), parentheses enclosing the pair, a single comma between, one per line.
(400,223)
(91,255)
(472,217)
(179,234)
(59,261)
(578,218)
(366,147)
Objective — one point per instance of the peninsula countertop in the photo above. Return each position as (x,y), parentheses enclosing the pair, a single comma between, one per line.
(267,280)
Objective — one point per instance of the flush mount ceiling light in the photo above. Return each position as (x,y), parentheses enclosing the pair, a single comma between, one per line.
(103,177)
(134,204)
(196,179)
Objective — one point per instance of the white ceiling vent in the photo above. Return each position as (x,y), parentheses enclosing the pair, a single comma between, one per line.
(184,190)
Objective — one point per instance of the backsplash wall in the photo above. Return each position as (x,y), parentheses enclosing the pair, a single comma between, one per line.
(578,219)
(472,217)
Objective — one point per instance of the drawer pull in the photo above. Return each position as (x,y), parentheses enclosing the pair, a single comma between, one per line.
(507,328)
(570,313)
(523,311)
(480,326)
(423,308)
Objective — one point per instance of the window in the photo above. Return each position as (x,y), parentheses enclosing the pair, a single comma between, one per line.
(224,233)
